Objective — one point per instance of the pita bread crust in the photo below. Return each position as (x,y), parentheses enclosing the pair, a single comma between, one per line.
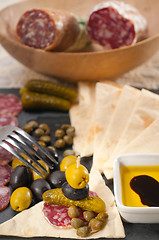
(31,222)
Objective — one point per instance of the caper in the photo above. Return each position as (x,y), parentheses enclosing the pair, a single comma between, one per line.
(83,231)
(68,152)
(45,139)
(102,216)
(73,211)
(33,124)
(88,215)
(45,127)
(39,132)
(65,126)
(27,128)
(70,131)
(68,140)
(60,143)
(43,144)
(59,133)
(95,224)
(77,223)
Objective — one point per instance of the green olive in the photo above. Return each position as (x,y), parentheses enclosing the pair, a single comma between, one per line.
(102,216)
(59,133)
(73,211)
(45,127)
(36,175)
(77,223)
(96,225)
(45,139)
(83,231)
(88,215)
(39,132)
(68,140)
(70,131)
(68,152)
(60,143)
(21,199)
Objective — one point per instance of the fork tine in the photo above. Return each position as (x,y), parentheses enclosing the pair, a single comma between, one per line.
(13,151)
(14,142)
(20,139)
(43,150)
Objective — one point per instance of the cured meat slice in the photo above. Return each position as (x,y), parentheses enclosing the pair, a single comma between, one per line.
(114,24)
(4,197)
(5,156)
(5,172)
(8,120)
(48,29)
(10,104)
(57,215)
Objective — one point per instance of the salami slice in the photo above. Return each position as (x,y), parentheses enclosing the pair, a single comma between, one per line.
(4,197)
(114,24)
(10,104)
(47,29)
(5,156)
(5,172)
(8,120)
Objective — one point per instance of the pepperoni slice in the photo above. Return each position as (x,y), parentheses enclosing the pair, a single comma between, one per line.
(10,104)
(4,197)
(5,172)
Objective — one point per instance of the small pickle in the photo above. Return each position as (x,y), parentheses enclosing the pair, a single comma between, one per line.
(39,132)
(102,216)
(69,152)
(96,225)
(37,101)
(70,131)
(90,203)
(45,139)
(45,128)
(51,88)
(68,140)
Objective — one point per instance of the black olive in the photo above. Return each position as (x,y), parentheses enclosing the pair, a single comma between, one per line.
(38,187)
(75,194)
(20,177)
(87,161)
(56,179)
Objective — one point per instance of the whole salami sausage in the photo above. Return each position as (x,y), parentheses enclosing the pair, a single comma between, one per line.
(114,24)
(49,29)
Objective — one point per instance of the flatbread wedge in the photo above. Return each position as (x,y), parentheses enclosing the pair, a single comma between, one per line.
(31,222)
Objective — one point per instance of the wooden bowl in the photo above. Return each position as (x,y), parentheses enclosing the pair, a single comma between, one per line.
(90,65)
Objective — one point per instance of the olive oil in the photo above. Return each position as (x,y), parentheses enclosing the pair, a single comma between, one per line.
(129,197)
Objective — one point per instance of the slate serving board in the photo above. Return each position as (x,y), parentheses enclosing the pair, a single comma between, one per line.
(55,119)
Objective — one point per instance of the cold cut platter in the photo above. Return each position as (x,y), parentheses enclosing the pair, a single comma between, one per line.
(55,119)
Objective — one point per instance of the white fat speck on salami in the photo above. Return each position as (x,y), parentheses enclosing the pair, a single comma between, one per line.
(37,226)
(10,104)
(114,24)
(4,197)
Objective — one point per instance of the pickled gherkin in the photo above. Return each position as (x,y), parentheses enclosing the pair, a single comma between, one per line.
(37,101)
(51,88)
(90,203)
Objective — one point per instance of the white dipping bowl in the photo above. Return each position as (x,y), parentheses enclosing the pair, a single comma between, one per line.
(134,214)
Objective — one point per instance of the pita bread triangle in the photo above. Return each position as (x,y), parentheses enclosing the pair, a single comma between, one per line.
(31,222)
